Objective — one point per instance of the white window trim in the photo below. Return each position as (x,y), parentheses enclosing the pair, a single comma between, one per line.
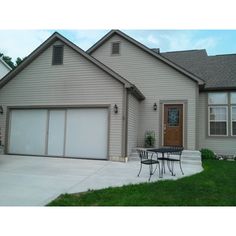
(231,119)
(227,122)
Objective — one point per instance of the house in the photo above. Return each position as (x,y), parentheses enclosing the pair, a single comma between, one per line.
(65,102)
(4,68)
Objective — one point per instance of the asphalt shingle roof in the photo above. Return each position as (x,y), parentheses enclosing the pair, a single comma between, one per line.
(217,71)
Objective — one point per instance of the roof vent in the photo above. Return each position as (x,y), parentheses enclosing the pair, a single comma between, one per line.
(57,55)
(115,50)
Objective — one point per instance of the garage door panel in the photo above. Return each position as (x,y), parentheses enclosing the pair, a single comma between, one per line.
(56,132)
(28,132)
(86,133)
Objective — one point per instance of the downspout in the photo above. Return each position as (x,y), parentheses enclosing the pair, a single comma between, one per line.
(125,125)
(197,132)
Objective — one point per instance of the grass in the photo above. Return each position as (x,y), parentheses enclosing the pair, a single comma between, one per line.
(215,186)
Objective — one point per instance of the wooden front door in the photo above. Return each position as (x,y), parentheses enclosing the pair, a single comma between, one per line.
(173,125)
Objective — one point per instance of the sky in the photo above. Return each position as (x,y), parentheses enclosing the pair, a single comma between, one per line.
(20,43)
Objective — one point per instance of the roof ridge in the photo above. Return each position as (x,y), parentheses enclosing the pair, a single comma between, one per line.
(57,36)
(148,50)
(219,55)
(191,50)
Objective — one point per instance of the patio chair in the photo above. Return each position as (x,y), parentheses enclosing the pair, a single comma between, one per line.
(177,152)
(146,158)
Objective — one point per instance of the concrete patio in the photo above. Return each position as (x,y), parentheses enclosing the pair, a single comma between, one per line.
(35,181)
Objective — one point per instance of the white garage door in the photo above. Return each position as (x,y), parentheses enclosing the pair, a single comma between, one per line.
(81,133)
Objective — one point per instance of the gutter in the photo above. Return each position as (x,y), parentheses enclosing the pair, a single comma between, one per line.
(217,89)
(136,92)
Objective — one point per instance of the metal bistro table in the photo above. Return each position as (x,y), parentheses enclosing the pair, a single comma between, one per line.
(163,151)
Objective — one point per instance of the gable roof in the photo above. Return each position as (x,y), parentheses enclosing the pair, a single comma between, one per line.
(148,50)
(219,72)
(5,64)
(56,36)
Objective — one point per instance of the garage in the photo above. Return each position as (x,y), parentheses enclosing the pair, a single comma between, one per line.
(64,132)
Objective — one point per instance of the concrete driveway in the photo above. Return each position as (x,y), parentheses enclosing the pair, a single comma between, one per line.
(35,181)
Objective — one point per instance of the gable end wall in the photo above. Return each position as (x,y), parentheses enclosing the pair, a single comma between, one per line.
(157,81)
(76,82)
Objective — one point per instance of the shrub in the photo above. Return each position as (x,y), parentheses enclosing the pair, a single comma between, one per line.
(207,154)
(150,139)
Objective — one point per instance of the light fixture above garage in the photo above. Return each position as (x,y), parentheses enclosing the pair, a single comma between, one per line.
(154,106)
(1,110)
(115,109)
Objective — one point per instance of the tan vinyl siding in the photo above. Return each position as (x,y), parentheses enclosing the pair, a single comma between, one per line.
(133,112)
(76,82)
(222,145)
(157,81)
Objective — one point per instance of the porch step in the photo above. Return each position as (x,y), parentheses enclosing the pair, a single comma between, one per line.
(188,156)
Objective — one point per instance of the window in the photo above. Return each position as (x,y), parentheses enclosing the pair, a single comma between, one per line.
(57,55)
(217,98)
(233,115)
(218,114)
(173,117)
(115,48)
(221,112)
(218,117)
(233,98)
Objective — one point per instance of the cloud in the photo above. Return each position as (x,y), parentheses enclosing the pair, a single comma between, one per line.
(153,39)
(187,41)
(206,43)
(20,43)
(175,40)
(86,38)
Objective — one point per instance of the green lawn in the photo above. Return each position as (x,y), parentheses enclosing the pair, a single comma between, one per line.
(215,186)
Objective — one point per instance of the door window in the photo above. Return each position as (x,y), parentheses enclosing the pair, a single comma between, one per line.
(173,117)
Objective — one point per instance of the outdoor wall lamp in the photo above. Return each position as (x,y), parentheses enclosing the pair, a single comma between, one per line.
(115,109)
(154,106)
(1,110)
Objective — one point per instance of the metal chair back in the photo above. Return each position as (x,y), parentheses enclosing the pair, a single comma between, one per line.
(143,154)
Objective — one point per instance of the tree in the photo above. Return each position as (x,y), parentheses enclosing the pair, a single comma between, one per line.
(18,61)
(8,60)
